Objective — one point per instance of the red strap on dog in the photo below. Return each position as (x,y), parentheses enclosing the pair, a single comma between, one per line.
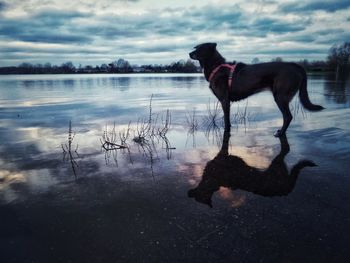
(230,76)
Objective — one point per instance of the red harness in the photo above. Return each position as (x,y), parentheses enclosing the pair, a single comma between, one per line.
(230,76)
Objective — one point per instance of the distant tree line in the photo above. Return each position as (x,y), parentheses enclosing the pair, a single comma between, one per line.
(181,66)
(118,66)
(337,62)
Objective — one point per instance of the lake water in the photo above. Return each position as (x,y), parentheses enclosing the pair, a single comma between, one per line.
(69,194)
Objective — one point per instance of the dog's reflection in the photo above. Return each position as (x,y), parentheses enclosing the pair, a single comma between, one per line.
(232,172)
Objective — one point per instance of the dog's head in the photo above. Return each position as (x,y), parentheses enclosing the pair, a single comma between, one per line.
(203,52)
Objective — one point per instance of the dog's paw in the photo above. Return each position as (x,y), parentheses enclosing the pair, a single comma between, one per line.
(278,133)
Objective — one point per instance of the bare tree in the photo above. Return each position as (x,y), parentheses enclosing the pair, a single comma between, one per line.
(255,60)
(338,58)
(277,59)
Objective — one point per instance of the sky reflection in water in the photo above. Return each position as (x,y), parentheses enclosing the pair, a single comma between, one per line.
(35,112)
(63,198)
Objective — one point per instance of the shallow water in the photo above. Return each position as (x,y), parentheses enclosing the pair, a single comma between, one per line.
(65,198)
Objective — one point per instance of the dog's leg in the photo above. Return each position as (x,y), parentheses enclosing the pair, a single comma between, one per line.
(283,105)
(225,144)
(284,150)
(278,166)
(225,103)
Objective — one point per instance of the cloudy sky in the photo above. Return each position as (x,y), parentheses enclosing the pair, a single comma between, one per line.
(159,32)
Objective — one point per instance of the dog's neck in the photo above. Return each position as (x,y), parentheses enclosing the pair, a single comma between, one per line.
(210,64)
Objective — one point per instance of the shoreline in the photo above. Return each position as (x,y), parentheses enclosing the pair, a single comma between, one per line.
(143,73)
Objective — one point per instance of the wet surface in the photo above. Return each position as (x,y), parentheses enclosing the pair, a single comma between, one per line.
(136,168)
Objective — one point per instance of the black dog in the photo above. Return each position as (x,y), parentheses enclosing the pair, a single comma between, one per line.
(231,171)
(283,79)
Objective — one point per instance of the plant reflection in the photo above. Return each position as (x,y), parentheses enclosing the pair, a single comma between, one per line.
(337,90)
(232,172)
(69,155)
(192,125)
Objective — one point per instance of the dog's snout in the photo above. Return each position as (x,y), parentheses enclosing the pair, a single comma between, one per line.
(192,55)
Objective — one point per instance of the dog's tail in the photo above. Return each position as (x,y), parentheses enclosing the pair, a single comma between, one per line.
(304,96)
(300,165)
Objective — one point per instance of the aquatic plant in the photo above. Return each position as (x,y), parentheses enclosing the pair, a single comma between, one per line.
(109,140)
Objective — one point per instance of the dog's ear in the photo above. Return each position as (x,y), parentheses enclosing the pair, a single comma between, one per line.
(211,48)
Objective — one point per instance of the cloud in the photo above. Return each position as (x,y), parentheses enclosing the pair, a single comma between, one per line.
(2,6)
(310,6)
(211,17)
(277,25)
(91,32)
(51,26)
(290,51)
(167,22)
(37,50)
